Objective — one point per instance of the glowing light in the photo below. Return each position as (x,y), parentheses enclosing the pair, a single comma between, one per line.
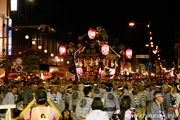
(26,37)
(62,50)
(112,71)
(105,49)
(45,50)
(147,45)
(61,59)
(100,71)
(33,42)
(128,53)
(56,57)
(52,55)
(91,34)
(79,71)
(131,24)
(39,47)
(148,25)
(150,38)
(13,5)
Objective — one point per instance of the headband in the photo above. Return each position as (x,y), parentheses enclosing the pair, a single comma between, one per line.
(159,95)
(158,86)
(121,88)
(34,85)
(86,85)
(41,99)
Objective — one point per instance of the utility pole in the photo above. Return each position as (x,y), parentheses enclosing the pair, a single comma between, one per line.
(7,42)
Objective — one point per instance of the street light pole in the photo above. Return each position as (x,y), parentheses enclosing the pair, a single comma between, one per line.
(7,42)
(150,40)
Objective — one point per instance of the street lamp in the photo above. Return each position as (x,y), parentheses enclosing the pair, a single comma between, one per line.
(45,50)
(26,37)
(146,45)
(56,57)
(39,47)
(61,59)
(131,24)
(33,42)
(52,55)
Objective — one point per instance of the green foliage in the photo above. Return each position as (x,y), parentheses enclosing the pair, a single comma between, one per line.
(30,63)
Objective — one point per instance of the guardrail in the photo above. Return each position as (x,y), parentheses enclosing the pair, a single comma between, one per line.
(8,112)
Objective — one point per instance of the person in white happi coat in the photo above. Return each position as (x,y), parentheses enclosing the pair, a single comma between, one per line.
(110,101)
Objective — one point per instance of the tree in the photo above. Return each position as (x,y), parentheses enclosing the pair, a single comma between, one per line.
(30,63)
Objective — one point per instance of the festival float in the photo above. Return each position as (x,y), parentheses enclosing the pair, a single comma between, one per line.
(95,59)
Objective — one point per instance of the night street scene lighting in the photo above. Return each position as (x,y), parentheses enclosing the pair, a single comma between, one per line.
(64,47)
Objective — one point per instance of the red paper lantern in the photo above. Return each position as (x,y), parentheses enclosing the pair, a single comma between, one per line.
(105,49)
(128,53)
(91,34)
(62,50)
(79,71)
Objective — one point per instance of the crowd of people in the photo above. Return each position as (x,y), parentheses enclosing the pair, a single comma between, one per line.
(155,99)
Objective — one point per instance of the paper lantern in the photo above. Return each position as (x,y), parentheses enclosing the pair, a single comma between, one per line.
(62,50)
(112,71)
(100,71)
(79,71)
(105,49)
(91,34)
(128,53)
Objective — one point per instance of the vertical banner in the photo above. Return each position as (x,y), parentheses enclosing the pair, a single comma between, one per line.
(10,37)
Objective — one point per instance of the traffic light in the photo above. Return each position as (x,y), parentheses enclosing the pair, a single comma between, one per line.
(40,30)
(45,31)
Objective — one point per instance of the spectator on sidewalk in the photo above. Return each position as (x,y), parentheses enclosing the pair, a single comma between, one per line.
(41,111)
(9,99)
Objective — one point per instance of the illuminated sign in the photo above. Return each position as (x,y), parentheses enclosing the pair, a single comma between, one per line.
(10,37)
(13,5)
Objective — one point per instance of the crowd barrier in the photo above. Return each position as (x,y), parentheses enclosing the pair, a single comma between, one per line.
(8,112)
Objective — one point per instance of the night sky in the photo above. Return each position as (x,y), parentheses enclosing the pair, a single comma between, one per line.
(77,17)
